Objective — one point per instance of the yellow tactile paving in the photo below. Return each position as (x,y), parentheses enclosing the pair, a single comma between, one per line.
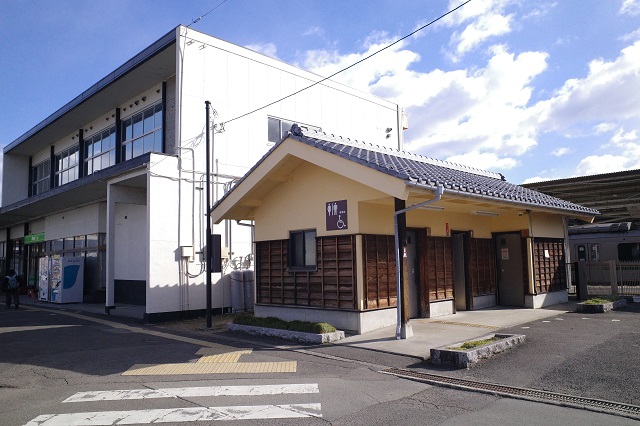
(211,368)
(210,356)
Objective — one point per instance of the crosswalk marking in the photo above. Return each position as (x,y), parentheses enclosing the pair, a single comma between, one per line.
(116,395)
(287,411)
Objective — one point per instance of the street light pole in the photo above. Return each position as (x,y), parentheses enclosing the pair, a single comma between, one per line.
(208,203)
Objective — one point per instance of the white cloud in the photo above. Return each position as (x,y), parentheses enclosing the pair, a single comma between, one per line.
(625,145)
(630,7)
(268,49)
(489,160)
(484,19)
(605,94)
(317,31)
(478,32)
(484,115)
(559,152)
(631,37)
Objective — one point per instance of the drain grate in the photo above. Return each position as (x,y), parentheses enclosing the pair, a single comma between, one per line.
(599,405)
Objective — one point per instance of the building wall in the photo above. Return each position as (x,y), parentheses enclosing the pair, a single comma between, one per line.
(81,221)
(300,203)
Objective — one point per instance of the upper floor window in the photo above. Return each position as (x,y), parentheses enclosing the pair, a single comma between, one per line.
(66,166)
(100,151)
(279,127)
(142,133)
(40,177)
(302,249)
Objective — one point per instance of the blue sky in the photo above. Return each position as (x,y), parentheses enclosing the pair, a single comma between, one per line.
(533,90)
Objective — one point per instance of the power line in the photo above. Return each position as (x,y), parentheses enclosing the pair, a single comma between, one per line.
(350,66)
(199,18)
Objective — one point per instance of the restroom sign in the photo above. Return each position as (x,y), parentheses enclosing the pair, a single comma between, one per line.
(336,213)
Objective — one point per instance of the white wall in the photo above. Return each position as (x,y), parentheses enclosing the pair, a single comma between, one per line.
(237,80)
(81,221)
(131,242)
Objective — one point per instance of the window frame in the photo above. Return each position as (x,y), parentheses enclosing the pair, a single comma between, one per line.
(41,182)
(307,264)
(134,136)
(91,157)
(63,167)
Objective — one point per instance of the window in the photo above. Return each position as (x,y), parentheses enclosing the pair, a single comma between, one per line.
(302,249)
(66,166)
(100,151)
(629,251)
(142,133)
(40,177)
(595,252)
(279,127)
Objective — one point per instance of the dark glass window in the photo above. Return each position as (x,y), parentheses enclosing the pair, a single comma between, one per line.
(278,127)
(100,151)
(142,133)
(629,251)
(302,249)
(40,177)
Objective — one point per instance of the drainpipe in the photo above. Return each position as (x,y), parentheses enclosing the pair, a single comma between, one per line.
(403,328)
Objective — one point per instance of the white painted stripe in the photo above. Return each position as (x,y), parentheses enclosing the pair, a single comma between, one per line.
(239,412)
(117,395)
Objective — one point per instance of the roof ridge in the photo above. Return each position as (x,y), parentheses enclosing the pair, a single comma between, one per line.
(396,152)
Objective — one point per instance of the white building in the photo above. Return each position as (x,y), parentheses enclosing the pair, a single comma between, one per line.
(116,176)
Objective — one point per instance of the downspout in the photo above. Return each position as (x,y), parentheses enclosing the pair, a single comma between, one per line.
(403,329)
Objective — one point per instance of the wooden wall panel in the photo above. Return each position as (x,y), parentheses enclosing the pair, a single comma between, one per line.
(550,271)
(332,285)
(379,271)
(482,266)
(436,268)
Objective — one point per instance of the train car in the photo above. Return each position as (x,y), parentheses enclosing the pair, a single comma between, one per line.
(602,242)
(604,255)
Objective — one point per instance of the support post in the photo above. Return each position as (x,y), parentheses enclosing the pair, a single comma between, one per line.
(208,215)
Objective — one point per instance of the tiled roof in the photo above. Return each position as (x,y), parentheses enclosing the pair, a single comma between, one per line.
(428,172)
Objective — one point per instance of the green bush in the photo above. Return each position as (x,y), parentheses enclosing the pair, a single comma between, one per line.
(601,300)
(473,344)
(271,322)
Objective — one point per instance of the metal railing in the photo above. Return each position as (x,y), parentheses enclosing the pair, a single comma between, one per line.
(612,278)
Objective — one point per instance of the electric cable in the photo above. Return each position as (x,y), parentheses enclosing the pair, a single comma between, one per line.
(348,67)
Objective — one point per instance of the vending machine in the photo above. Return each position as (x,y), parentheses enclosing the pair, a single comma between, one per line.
(43,279)
(66,279)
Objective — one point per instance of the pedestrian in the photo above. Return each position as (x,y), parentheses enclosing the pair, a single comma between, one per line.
(12,289)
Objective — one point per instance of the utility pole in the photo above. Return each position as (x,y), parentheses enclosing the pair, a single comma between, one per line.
(208,195)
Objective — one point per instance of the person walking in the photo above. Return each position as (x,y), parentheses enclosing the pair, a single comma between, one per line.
(12,289)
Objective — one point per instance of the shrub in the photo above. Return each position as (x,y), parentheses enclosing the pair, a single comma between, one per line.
(271,322)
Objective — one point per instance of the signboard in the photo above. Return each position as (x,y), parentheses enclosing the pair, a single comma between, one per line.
(336,212)
(505,253)
(34,238)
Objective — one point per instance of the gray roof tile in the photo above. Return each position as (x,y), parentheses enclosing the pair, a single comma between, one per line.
(429,172)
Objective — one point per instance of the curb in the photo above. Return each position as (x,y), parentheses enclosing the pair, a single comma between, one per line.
(602,307)
(289,335)
(468,358)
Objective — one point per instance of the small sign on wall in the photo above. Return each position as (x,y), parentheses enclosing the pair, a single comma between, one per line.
(505,253)
(336,213)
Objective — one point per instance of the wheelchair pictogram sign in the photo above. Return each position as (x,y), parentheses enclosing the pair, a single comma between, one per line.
(336,213)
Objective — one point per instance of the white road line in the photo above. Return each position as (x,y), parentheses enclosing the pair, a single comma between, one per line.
(116,395)
(239,412)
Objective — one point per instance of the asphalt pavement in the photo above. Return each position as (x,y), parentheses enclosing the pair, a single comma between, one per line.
(590,355)
(565,352)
